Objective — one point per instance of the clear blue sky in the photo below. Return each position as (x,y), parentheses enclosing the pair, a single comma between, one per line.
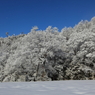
(18,16)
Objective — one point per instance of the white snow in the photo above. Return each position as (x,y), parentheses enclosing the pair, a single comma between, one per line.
(72,87)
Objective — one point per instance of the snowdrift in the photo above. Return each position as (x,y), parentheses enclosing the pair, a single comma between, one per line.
(86,87)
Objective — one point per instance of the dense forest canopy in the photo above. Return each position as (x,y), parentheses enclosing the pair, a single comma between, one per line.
(43,55)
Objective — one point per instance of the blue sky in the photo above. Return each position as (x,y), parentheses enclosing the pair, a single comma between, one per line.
(18,16)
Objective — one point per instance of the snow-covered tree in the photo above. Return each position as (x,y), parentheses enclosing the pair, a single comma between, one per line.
(49,54)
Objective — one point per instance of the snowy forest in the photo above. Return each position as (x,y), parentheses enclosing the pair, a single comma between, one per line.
(48,55)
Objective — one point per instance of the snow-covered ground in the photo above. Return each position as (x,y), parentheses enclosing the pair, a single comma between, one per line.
(85,87)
